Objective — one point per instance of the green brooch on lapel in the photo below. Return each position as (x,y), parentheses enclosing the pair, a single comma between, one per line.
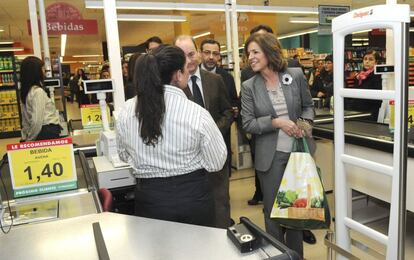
(287,79)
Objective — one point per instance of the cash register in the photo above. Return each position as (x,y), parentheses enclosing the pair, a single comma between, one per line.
(111,171)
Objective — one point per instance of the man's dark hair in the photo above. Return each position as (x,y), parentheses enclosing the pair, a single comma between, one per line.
(31,74)
(261,27)
(329,58)
(152,39)
(152,71)
(209,41)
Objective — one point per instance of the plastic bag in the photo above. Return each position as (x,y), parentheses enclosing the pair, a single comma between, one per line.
(300,202)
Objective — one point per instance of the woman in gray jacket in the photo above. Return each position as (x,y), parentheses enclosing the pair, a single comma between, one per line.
(272,101)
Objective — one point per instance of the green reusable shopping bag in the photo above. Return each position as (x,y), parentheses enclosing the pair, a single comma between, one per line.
(301,201)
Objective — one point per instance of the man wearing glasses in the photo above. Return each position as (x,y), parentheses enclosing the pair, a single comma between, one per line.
(210,57)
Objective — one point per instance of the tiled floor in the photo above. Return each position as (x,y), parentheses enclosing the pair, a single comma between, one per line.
(242,189)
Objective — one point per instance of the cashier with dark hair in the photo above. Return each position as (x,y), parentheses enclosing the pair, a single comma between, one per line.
(39,118)
(171,142)
(366,79)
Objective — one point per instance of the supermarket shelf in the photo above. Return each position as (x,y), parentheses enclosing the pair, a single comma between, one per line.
(10,134)
(7,103)
(4,85)
(3,117)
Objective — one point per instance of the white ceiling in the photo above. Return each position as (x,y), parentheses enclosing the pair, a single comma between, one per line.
(14,15)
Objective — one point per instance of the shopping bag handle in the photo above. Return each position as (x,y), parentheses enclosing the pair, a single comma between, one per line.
(295,147)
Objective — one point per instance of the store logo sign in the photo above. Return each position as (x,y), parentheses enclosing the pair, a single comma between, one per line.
(363,14)
(63,18)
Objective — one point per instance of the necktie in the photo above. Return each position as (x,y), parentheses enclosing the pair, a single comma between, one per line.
(198,98)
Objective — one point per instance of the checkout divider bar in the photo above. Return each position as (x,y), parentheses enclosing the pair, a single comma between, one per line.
(363,229)
(367,94)
(92,185)
(369,165)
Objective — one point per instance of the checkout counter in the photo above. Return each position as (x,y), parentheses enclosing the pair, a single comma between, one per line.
(124,237)
(69,225)
(62,225)
(366,140)
(52,206)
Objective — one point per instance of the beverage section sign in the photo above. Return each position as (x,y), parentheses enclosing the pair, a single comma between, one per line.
(64,18)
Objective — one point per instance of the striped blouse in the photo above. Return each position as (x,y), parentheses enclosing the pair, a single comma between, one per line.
(190,139)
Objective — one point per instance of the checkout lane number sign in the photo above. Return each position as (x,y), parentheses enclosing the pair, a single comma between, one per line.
(42,167)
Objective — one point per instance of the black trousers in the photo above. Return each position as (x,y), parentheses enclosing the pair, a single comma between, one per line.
(50,131)
(185,198)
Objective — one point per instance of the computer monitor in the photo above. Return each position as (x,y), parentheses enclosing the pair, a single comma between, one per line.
(51,82)
(98,86)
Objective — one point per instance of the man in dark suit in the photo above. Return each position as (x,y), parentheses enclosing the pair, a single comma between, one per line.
(206,89)
(210,56)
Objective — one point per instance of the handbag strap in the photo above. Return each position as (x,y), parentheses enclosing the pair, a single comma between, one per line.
(296,144)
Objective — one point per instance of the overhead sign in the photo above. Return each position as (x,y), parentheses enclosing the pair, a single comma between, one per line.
(42,167)
(328,12)
(63,18)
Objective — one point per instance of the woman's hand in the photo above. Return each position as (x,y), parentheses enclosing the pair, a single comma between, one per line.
(287,126)
(320,94)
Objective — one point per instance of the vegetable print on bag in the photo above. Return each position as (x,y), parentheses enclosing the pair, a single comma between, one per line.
(301,199)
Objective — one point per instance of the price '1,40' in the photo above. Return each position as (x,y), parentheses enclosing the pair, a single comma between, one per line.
(57,169)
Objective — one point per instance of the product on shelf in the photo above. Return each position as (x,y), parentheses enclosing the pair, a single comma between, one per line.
(9,105)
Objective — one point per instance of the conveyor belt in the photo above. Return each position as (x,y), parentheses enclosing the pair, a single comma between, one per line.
(363,133)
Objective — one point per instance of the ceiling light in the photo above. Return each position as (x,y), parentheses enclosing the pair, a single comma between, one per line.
(1,30)
(360,39)
(129,5)
(11,49)
(8,42)
(87,55)
(151,18)
(303,19)
(411,29)
(288,35)
(357,44)
(276,9)
(63,44)
(364,31)
(22,56)
(201,35)
(79,61)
